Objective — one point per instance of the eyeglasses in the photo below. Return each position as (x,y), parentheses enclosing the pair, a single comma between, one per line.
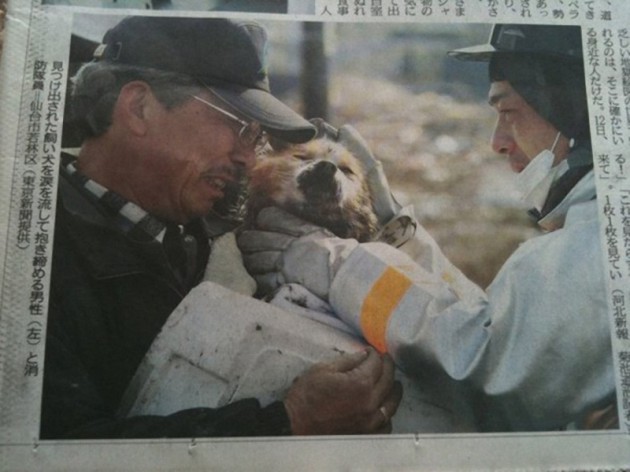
(250,134)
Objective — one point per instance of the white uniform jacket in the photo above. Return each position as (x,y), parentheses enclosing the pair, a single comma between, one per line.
(533,351)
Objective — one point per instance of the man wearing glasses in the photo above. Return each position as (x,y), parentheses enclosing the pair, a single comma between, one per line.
(172,112)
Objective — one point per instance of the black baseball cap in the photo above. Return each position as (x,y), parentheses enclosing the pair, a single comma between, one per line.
(226,56)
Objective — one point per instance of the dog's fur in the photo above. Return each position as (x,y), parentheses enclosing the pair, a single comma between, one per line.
(319,181)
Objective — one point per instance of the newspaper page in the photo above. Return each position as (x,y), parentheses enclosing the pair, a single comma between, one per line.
(382,67)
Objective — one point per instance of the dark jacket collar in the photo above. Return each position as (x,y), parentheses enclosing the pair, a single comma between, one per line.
(102,245)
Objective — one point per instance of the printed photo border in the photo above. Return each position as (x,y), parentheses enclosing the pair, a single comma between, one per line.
(32,35)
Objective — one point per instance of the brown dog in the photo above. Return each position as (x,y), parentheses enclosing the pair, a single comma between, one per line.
(319,181)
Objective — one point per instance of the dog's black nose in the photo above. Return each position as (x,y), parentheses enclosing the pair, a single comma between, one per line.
(325,169)
(318,182)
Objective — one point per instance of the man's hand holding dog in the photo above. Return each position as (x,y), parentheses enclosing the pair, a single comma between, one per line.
(356,393)
(285,249)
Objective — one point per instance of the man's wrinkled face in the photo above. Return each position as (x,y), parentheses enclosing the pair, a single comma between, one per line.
(195,153)
(520,133)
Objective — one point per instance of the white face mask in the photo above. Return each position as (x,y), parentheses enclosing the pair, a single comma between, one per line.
(536,179)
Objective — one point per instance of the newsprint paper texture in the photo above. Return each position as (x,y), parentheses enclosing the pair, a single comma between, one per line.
(387,76)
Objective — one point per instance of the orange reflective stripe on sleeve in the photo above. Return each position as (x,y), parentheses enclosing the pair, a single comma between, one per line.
(379,305)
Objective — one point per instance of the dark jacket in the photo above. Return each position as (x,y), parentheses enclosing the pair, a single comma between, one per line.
(109,298)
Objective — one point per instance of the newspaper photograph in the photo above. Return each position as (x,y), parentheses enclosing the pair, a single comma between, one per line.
(315,235)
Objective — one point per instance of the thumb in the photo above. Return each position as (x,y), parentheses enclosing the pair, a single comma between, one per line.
(324,129)
(348,362)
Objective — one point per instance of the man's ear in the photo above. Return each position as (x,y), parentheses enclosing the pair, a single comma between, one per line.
(132,106)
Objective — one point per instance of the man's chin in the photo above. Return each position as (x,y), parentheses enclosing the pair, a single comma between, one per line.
(232,204)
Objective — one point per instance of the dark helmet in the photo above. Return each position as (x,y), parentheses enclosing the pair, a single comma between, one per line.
(548,40)
(544,64)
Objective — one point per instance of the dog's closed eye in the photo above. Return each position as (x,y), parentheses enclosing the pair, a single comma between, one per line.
(346,170)
(319,181)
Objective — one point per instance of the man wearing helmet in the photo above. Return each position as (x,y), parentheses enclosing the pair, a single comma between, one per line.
(533,351)
(538,90)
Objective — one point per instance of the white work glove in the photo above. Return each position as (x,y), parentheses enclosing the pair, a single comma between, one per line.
(285,249)
(225,266)
(385,205)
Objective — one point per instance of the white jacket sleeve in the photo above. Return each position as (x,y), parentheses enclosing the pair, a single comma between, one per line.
(535,349)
